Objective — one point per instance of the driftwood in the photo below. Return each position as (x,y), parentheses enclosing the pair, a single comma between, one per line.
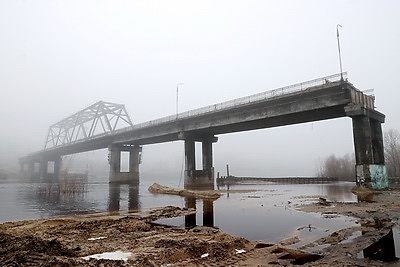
(161,189)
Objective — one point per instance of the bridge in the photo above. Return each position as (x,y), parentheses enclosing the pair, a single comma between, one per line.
(97,127)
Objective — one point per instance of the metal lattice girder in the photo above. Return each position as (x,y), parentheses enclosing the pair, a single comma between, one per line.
(97,119)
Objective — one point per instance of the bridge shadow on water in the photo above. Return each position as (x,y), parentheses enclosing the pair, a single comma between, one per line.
(114,197)
(130,193)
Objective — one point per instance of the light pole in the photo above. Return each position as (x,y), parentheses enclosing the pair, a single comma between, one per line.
(340,56)
(177,98)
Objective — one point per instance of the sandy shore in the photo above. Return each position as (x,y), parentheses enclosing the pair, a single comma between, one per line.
(140,242)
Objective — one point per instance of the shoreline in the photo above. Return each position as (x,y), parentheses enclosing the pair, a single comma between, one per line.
(66,239)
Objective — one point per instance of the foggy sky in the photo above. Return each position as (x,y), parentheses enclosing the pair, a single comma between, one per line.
(58,57)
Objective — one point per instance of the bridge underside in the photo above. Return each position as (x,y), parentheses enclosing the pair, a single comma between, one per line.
(327,101)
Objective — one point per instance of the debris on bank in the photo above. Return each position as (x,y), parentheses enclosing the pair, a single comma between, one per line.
(161,189)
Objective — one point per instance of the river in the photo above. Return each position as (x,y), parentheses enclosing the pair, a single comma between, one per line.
(267,213)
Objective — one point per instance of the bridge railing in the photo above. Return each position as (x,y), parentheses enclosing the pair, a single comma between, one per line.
(244,100)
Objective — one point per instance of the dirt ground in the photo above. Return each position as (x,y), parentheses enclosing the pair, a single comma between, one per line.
(65,241)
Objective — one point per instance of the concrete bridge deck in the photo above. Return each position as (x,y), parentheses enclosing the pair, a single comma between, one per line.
(320,99)
(330,100)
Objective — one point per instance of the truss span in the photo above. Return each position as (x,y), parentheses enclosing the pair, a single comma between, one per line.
(98,119)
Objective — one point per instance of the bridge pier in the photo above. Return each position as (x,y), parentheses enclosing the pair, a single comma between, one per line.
(38,169)
(50,176)
(199,179)
(369,151)
(118,176)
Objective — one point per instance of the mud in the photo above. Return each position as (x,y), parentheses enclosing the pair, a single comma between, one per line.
(65,241)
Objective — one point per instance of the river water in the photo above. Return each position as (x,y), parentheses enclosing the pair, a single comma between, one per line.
(266,212)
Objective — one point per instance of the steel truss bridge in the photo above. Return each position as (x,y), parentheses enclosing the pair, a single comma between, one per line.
(97,119)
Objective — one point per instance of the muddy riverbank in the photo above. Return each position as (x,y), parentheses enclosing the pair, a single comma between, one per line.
(68,240)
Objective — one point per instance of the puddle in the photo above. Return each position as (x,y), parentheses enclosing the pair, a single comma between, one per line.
(268,215)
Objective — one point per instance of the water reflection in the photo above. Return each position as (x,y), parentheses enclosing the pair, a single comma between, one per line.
(65,197)
(190,203)
(338,193)
(263,214)
(207,214)
(114,197)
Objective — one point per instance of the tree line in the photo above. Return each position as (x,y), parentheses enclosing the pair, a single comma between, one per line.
(343,168)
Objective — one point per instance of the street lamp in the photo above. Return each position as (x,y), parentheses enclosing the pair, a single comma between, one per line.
(340,56)
(177,98)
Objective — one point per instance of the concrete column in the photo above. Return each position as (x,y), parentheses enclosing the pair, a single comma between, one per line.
(114,158)
(190,160)
(35,173)
(377,142)
(199,179)
(134,159)
(207,154)
(362,140)
(368,146)
(43,165)
(57,167)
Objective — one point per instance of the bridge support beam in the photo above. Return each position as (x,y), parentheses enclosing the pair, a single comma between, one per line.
(199,179)
(369,151)
(130,176)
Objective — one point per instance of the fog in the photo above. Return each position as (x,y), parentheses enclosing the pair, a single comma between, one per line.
(58,57)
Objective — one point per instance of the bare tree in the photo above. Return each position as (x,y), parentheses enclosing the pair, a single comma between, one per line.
(342,168)
(392,153)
